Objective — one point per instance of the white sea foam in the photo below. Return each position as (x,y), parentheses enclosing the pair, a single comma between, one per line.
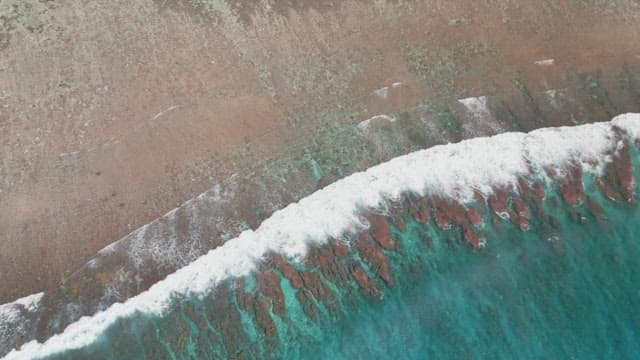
(628,123)
(378,119)
(481,116)
(29,303)
(453,170)
(545,62)
(553,95)
(476,105)
(382,92)
(13,323)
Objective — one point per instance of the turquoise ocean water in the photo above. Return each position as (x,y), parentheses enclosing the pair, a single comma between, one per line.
(566,288)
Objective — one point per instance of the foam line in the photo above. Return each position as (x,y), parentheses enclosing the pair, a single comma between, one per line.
(453,170)
(29,303)
(628,123)
(14,321)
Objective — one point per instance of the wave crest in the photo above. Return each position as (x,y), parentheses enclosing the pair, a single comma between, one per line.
(454,170)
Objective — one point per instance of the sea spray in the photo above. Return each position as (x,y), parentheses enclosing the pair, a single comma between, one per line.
(463,173)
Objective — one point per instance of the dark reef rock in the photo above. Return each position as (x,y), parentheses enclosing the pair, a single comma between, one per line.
(367,285)
(332,267)
(374,255)
(263,316)
(538,192)
(572,188)
(618,182)
(475,240)
(418,208)
(381,231)
(595,208)
(498,201)
(396,211)
(308,305)
(521,208)
(474,217)
(270,287)
(520,214)
(221,310)
(313,282)
(448,213)
(289,272)
(340,248)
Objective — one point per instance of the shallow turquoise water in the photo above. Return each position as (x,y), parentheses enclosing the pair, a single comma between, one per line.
(567,288)
(522,297)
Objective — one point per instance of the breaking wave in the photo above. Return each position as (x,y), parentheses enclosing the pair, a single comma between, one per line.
(461,172)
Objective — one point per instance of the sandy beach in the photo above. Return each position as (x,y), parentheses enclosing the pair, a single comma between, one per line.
(112,113)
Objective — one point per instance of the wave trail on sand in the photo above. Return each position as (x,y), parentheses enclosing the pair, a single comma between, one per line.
(457,170)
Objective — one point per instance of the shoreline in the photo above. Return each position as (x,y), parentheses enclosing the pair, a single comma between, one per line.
(537,154)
